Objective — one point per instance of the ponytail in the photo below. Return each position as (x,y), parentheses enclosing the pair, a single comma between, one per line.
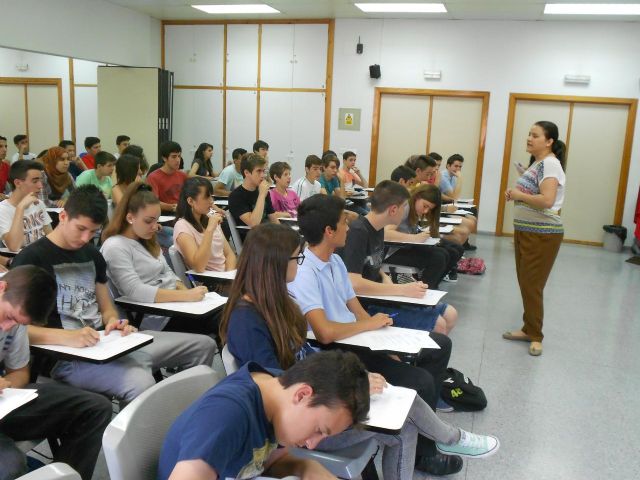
(559,149)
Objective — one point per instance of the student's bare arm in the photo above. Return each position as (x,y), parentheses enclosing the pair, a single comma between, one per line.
(195,256)
(363,286)
(81,337)
(391,234)
(230,260)
(328,331)
(17,378)
(193,470)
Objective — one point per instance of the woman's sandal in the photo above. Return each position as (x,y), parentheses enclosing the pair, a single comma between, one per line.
(535,349)
(521,338)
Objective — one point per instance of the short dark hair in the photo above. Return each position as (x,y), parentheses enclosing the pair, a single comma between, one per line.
(260,144)
(90,142)
(122,138)
(31,289)
(42,153)
(277,169)
(317,213)
(18,138)
(420,161)
(19,169)
(402,172)
(237,153)
(3,138)
(436,156)
(348,154)
(250,161)
(386,194)
(66,143)
(87,201)
(329,152)
(102,158)
(169,147)
(328,158)
(312,160)
(338,379)
(456,157)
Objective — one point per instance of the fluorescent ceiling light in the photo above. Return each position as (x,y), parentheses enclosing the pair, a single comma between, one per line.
(234,9)
(402,7)
(592,9)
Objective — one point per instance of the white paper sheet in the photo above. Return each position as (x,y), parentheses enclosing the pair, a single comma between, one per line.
(390,408)
(109,346)
(210,302)
(166,219)
(446,229)
(12,398)
(431,298)
(465,200)
(450,221)
(221,203)
(428,241)
(6,250)
(460,212)
(230,275)
(394,339)
(464,205)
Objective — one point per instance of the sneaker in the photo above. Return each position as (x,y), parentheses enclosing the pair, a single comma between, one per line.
(439,464)
(443,406)
(468,247)
(451,277)
(471,445)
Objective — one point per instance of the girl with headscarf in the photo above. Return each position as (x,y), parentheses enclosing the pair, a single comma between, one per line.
(57,182)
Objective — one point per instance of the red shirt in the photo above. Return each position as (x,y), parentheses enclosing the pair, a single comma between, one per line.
(89,161)
(4,175)
(167,187)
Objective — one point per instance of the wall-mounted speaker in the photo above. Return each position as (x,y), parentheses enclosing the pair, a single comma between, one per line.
(374,71)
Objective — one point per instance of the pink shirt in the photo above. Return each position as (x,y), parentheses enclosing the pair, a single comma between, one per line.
(216,260)
(287,204)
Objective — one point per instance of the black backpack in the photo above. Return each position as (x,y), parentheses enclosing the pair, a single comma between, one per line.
(459,392)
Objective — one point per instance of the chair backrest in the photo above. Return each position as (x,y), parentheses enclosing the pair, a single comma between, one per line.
(229,361)
(53,471)
(235,235)
(133,439)
(179,268)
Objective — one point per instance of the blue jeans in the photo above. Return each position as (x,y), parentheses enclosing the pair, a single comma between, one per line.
(409,316)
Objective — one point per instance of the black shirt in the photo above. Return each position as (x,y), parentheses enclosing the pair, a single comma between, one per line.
(363,252)
(243,201)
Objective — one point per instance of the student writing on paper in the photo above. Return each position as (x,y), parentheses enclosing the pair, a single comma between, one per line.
(363,255)
(136,266)
(197,234)
(75,417)
(84,306)
(263,324)
(309,184)
(323,291)
(245,424)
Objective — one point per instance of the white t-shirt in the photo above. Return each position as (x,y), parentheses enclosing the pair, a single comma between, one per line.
(28,156)
(34,220)
(305,189)
(553,169)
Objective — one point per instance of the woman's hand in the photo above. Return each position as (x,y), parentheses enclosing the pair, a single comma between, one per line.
(195,294)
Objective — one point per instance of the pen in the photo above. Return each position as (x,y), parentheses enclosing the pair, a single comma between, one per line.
(190,277)
(392,315)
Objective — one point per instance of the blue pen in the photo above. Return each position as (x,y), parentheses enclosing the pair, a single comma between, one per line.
(193,282)
(394,314)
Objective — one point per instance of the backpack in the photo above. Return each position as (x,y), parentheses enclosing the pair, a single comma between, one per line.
(472,266)
(459,392)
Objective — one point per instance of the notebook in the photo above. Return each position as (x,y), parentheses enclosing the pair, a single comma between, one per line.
(393,339)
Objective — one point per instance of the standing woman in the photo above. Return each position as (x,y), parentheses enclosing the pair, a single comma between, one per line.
(538,230)
(57,182)
(201,165)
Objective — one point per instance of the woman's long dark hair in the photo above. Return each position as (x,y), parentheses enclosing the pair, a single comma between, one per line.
(191,188)
(127,169)
(262,276)
(430,193)
(199,155)
(558,147)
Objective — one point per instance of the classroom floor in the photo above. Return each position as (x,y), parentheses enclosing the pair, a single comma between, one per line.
(571,413)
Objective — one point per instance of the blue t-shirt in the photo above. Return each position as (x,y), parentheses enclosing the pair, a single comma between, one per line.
(227,428)
(447,182)
(329,185)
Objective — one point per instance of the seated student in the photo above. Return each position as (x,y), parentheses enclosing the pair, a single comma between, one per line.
(424,199)
(127,171)
(76,165)
(260,147)
(231,176)
(137,151)
(322,289)
(363,254)
(283,198)
(450,186)
(57,182)
(329,179)
(435,179)
(237,429)
(22,144)
(201,164)
(263,324)
(92,148)
(100,176)
(167,180)
(84,306)
(135,264)
(250,203)
(23,216)
(349,174)
(309,184)
(75,417)
(122,142)
(405,176)
(197,234)
(4,169)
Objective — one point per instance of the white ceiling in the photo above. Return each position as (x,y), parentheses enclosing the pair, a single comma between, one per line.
(457,9)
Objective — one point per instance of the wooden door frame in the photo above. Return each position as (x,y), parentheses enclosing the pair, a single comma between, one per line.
(26,81)
(632,103)
(375,130)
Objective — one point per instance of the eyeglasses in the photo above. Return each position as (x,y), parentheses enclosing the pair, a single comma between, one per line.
(298,258)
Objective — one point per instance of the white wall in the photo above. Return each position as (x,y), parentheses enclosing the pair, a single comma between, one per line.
(89,29)
(499,57)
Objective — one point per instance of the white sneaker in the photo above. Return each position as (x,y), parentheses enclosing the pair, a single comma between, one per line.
(471,445)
